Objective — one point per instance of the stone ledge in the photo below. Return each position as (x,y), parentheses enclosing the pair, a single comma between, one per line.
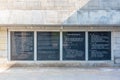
(61,64)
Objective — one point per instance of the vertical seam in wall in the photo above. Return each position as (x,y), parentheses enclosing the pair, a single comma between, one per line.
(35,45)
(86,44)
(61,44)
(7,45)
(112,55)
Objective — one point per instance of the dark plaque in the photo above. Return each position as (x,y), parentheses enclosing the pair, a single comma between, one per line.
(74,46)
(48,45)
(99,45)
(22,45)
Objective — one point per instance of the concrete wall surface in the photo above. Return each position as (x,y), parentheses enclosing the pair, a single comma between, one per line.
(57,11)
(116,46)
(94,17)
(59,4)
(3,42)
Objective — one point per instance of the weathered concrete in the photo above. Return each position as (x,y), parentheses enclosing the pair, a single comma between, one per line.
(80,17)
(3,42)
(59,11)
(59,4)
(33,16)
(96,12)
(102,5)
(41,4)
(116,46)
(94,17)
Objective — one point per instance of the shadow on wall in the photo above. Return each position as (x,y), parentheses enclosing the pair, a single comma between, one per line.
(96,12)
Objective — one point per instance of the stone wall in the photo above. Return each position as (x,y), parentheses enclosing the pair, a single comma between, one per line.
(102,5)
(42,4)
(116,46)
(3,42)
(59,4)
(33,16)
(51,11)
(94,17)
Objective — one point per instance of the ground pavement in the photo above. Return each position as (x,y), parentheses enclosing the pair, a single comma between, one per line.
(11,72)
(59,73)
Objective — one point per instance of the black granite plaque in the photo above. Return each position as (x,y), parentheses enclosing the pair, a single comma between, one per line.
(22,45)
(99,45)
(48,46)
(74,46)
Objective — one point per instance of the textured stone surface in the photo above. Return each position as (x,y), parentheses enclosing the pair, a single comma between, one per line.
(103,5)
(116,46)
(100,17)
(42,4)
(59,4)
(3,42)
(81,17)
(59,11)
(33,16)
